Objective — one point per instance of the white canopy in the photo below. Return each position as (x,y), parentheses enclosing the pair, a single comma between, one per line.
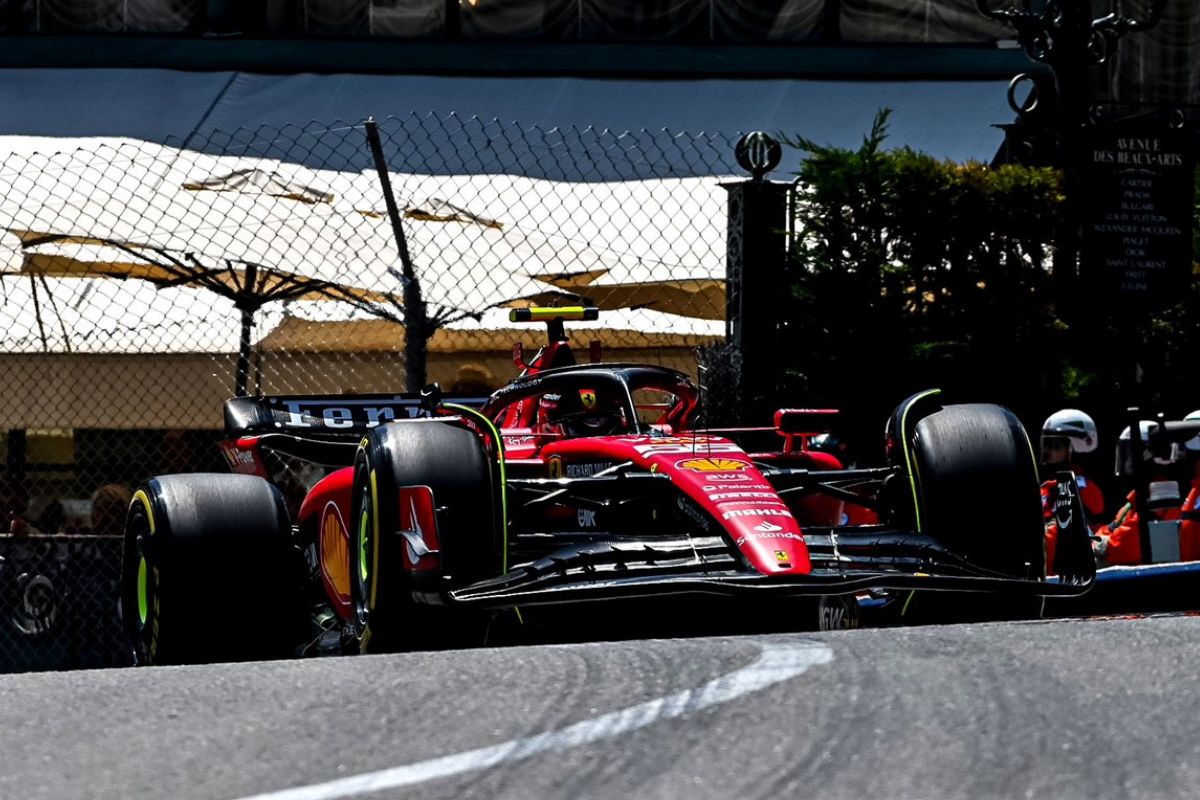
(477,241)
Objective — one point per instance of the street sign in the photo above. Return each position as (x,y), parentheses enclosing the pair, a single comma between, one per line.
(1137,214)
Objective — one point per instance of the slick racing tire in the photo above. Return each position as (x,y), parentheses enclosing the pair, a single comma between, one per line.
(395,608)
(977,485)
(209,571)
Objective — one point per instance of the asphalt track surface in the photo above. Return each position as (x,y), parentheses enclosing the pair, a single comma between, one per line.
(1063,709)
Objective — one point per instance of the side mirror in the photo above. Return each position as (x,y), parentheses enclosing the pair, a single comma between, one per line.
(431,397)
(802,424)
(804,421)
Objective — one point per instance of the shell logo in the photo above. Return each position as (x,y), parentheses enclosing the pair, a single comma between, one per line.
(713,465)
(335,550)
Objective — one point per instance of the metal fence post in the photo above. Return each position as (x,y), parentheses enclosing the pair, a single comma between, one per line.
(756,261)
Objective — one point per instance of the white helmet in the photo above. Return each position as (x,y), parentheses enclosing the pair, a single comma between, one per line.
(1146,427)
(1192,445)
(1076,426)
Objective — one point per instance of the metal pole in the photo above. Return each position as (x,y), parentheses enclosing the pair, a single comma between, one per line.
(416,316)
(242,377)
(1141,483)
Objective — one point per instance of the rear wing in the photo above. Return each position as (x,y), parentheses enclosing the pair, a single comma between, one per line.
(348,414)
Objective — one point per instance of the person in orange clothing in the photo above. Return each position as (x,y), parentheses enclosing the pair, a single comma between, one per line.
(1189,527)
(1119,543)
(1064,434)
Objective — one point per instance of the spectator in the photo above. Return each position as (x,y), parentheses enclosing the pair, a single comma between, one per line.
(109,506)
(1119,542)
(14,502)
(1189,528)
(53,517)
(472,380)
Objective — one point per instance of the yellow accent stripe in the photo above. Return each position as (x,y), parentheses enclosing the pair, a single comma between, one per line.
(540,314)
(503,477)
(503,487)
(374,541)
(141,496)
(908,460)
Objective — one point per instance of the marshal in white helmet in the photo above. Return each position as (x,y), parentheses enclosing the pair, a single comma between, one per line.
(1065,432)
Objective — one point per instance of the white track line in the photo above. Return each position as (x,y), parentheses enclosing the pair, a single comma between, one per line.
(775,664)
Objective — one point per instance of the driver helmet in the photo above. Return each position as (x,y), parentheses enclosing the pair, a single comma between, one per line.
(1066,432)
(583,412)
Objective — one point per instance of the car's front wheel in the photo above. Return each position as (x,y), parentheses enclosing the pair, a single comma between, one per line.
(396,604)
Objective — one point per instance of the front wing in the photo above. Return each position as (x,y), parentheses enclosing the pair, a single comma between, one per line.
(845,561)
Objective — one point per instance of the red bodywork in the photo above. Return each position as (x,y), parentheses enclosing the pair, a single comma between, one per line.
(326,510)
(718,476)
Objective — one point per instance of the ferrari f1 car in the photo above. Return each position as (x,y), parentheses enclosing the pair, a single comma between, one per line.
(575,482)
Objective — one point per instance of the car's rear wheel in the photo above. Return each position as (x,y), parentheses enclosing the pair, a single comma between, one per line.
(395,607)
(209,571)
(977,493)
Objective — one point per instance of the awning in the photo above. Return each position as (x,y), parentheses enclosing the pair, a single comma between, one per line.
(949,119)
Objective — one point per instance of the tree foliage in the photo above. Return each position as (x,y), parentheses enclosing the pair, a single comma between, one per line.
(909,272)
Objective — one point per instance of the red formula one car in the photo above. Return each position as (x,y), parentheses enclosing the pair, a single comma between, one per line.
(575,482)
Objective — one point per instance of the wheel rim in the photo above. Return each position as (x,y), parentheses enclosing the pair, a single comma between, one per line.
(364,558)
(364,546)
(143,592)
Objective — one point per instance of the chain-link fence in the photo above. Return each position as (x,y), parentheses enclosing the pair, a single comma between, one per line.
(58,602)
(143,284)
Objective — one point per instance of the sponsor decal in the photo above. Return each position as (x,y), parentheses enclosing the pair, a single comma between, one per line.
(714,465)
(587,470)
(767,527)
(37,609)
(674,445)
(555,466)
(775,502)
(522,385)
(244,461)
(837,613)
(741,540)
(416,545)
(319,413)
(335,550)
(710,487)
(738,495)
(239,458)
(696,514)
(732,477)
(586,518)
(588,398)
(756,512)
